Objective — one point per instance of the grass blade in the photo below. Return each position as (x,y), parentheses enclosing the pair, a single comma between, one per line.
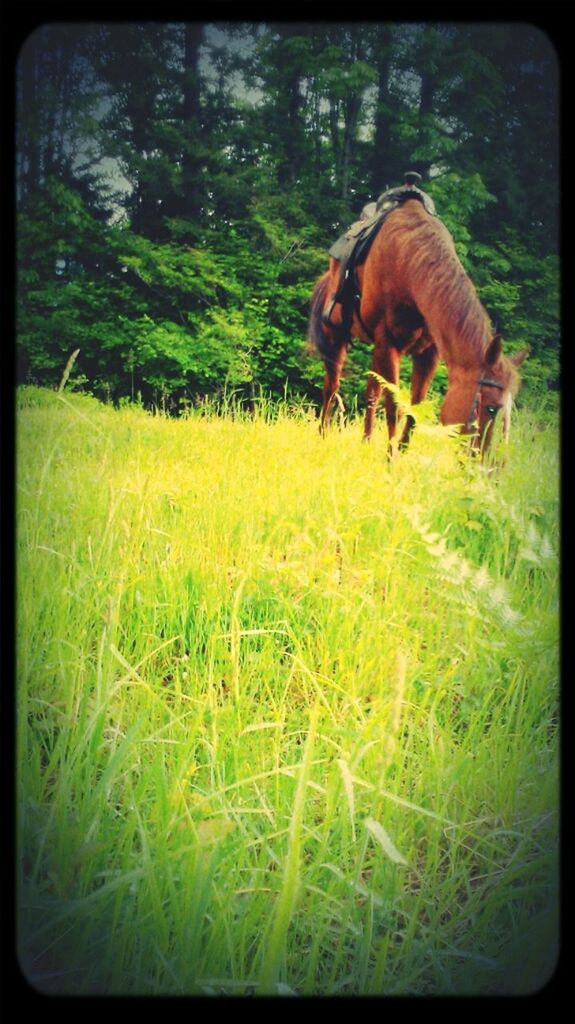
(289,891)
(381,836)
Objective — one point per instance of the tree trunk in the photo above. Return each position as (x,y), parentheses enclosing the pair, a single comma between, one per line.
(191,160)
(383,171)
(291,128)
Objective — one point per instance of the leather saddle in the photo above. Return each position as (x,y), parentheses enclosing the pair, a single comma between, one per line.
(351,248)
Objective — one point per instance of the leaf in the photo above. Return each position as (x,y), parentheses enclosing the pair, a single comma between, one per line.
(380,835)
(394,389)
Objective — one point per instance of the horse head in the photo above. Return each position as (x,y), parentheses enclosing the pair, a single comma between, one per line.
(475,398)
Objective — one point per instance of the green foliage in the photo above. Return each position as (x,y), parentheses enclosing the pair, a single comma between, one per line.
(204,275)
(458,198)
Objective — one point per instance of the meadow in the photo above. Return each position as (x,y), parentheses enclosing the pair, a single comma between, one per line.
(287,713)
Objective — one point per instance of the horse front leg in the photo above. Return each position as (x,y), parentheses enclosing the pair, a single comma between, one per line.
(424,367)
(333,369)
(385,363)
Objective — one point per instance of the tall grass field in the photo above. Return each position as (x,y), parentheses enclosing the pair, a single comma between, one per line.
(287,712)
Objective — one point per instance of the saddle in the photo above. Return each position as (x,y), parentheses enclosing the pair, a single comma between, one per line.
(351,249)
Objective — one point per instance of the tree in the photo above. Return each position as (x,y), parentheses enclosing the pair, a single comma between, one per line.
(284,53)
(382,160)
(191,166)
(57,96)
(245,152)
(150,127)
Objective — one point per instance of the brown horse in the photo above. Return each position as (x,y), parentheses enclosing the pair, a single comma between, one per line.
(416,299)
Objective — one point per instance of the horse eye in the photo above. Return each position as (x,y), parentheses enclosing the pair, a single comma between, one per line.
(491,410)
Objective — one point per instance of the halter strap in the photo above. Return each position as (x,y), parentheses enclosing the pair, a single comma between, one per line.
(483,382)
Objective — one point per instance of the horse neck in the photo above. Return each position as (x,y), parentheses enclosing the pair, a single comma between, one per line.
(443,292)
(458,320)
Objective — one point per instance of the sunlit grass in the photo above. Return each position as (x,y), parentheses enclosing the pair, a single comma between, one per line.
(287,712)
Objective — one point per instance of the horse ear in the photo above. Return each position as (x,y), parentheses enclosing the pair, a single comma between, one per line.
(519,357)
(493,350)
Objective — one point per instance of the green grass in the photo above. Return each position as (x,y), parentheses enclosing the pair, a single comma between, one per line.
(287,714)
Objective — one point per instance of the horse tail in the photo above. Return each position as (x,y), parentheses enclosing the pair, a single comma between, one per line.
(315,334)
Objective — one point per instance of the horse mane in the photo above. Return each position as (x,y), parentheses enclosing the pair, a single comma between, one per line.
(439,285)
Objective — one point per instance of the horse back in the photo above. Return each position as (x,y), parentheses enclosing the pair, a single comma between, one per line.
(413,279)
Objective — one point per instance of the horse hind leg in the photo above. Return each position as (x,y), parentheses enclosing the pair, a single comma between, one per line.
(334,364)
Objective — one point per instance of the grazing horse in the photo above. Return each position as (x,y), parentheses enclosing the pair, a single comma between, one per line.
(415,298)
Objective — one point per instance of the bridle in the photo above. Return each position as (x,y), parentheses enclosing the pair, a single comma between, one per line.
(484,382)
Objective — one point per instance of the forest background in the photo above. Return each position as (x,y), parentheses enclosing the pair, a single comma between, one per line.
(178,186)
